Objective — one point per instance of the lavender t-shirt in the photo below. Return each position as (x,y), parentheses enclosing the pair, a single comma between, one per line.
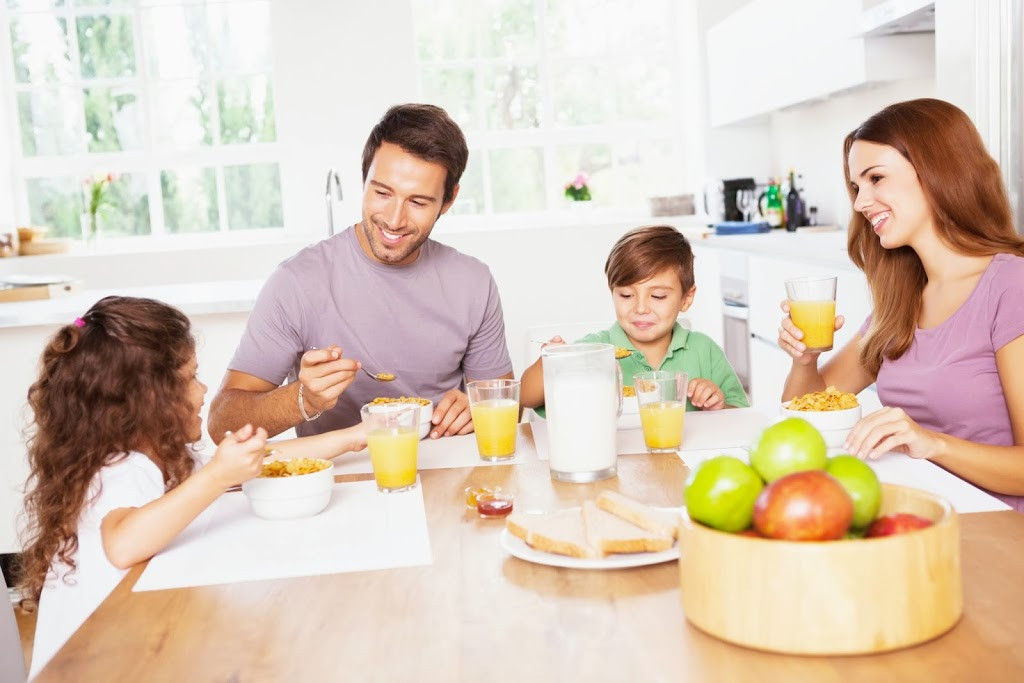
(429,323)
(947,381)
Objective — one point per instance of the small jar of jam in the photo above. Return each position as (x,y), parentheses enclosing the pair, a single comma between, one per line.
(494,504)
(472,492)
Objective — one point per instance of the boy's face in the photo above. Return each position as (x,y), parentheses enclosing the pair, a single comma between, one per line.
(647,310)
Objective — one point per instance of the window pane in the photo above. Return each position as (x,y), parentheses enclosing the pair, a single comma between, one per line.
(246,110)
(242,32)
(106,46)
(440,29)
(176,42)
(517,179)
(648,168)
(39,47)
(595,160)
(56,203)
(102,3)
(253,196)
(471,190)
(182,115)
(511,97)
(642,91)
(454,89)
(508,28)
(34,4)
(190,200)
(50,121)
(112,119)
(580,28)
(579,94)
(127,210)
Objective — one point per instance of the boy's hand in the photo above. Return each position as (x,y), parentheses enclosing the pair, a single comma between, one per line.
(239,456)
(705,394)
(554,341)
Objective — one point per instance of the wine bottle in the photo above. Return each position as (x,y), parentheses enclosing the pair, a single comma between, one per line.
(794,205)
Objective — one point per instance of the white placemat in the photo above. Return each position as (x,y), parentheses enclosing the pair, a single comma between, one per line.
(361,529)
(715,430)
(897,468)
(448,451)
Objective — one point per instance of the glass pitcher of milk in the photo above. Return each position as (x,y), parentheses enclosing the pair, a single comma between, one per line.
(583,399)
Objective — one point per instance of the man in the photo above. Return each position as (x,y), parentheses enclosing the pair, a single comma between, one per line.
(380,293)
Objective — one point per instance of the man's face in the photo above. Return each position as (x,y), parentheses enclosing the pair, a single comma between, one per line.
(403,197)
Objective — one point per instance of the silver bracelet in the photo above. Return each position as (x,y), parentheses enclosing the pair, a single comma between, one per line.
(302,408)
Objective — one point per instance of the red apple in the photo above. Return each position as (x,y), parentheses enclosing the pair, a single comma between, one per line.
(804,506)
(898,523)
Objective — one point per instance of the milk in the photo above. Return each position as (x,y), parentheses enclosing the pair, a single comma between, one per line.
(581,415)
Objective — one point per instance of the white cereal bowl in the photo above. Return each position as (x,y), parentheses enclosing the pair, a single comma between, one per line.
(426,412)
(303,495)
(834,425)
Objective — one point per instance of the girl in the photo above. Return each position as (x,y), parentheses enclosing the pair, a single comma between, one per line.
(113,478)
(932,231)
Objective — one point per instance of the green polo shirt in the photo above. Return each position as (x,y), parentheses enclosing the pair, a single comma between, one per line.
(691,352)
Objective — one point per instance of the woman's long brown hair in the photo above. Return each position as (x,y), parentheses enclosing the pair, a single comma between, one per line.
(964,189)
(108,387)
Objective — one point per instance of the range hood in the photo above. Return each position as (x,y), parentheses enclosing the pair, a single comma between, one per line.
(898,16)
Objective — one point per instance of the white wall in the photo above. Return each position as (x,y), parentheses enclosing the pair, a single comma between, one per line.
(810,139)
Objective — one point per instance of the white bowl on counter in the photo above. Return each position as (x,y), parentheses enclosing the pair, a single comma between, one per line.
(834,425)
(302,495)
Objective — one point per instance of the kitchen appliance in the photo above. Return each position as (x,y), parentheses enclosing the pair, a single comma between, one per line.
(720,198)
(736,314)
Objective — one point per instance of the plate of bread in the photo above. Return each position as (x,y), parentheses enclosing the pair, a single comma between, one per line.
(610,532)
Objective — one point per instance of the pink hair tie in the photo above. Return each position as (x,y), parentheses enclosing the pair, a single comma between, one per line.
(79,322)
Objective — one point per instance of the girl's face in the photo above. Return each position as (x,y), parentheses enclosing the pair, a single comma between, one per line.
(889,194)
(647,310)
(196,394)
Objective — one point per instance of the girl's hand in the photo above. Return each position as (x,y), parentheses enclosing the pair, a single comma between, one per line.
(705,394)
(890,429)
(790,336)
(239,456)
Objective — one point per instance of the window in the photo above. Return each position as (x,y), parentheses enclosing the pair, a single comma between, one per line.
(546,88)
(174,98)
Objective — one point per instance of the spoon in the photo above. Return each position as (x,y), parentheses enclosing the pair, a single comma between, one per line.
(380,376)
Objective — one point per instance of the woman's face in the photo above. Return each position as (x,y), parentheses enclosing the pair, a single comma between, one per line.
(889,194)
(196,394)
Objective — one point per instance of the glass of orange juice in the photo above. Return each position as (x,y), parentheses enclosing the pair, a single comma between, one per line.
(494,404)
(392,435)
(662,398)
(812,306)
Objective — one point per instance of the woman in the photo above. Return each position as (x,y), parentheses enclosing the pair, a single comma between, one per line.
(932,231)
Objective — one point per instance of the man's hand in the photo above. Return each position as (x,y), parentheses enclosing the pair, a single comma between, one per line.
(452,416)
(324,375)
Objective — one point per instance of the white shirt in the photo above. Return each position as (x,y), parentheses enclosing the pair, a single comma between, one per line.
(65,605)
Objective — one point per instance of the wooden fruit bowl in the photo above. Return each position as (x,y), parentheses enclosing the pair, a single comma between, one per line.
(829,598)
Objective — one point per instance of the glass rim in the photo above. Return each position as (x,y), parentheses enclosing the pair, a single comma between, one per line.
(808,279)
(577,349)
(493,383)
(660,374)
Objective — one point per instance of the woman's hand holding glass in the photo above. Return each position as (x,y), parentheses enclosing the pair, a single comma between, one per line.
(790,338)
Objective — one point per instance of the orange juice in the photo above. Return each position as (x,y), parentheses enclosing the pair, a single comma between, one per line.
(662,422)
(816,319)
(495,424)
(393,456)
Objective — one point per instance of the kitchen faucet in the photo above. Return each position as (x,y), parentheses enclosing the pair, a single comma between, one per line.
(332,177)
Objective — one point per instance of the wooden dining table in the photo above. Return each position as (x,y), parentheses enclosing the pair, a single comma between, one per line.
(478,614)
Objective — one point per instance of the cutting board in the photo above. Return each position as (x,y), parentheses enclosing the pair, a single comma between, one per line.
(10,292)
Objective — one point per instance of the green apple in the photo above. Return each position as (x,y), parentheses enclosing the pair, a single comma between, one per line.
(792,445)
(720,492)
(861,482)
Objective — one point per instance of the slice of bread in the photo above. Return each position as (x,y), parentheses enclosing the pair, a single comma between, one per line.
(558,532)
(662,522)
(610,533)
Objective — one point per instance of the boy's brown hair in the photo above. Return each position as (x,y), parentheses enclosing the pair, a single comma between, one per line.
(644,252)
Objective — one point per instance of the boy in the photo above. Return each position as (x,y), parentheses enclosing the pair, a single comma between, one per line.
(650,274)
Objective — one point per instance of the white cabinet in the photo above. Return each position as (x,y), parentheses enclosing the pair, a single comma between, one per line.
(771,54)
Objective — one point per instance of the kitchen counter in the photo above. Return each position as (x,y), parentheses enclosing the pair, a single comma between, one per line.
(819,248)
(199,298)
